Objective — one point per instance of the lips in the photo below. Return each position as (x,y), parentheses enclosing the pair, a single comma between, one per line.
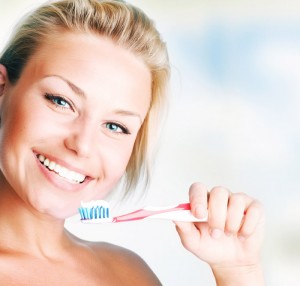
(62,171)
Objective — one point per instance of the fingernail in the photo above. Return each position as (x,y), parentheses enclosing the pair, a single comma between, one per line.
(216,233)
(201,211)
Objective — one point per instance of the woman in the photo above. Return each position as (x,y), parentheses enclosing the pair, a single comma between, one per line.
(82,84)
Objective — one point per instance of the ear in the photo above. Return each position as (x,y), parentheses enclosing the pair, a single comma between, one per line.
(3,78)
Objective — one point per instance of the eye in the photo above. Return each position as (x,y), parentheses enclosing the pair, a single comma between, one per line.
(116,128)
(58,101)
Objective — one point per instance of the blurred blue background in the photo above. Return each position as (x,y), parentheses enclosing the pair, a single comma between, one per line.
(233,121)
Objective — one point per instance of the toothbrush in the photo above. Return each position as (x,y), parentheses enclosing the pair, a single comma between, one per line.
(99,212)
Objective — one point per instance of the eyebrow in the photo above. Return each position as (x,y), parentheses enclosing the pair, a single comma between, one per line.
(81,93)
(128,113)
(74,87)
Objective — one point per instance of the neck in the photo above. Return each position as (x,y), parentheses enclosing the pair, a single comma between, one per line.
(24,230)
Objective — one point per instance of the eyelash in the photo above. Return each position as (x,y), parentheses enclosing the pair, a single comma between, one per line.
(52,98)
(118,125)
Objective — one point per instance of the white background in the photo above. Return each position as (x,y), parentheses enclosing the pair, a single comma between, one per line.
(234,121)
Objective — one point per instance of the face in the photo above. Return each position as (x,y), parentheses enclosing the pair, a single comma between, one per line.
(69,124)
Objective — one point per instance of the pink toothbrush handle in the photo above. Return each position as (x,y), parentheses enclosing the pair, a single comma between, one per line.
(143,213)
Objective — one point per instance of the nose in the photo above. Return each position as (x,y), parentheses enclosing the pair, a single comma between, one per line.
(80,139)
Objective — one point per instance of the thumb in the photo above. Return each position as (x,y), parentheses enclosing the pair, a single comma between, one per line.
(189,235)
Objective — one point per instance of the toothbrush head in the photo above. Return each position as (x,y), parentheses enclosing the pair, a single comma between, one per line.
(95,212)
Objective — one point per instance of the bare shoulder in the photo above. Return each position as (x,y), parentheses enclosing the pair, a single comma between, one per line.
(125,265)
(129,264)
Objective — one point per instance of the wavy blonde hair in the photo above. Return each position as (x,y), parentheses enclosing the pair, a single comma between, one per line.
(127,26)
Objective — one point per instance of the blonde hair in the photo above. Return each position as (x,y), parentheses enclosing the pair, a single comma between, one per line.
(127,26)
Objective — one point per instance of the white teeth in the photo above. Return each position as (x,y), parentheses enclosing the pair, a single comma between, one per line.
(61,171)
(46,162)
(80,178)
(51,166)
(57,168)
(41,158)
(73,176)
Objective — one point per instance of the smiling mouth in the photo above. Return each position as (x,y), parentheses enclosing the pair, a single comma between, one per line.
(63,172)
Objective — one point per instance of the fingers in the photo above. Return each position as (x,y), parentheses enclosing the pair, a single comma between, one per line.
(231,213)
(235,213)
(198,199)
(189,235)
(254,215)
(217,210)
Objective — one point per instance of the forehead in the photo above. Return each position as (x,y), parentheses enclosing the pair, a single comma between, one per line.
(87,50)
(94,62)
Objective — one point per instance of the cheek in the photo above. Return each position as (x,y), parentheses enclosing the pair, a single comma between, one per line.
(119,158)
(12,133)
(18,120)
(115,159)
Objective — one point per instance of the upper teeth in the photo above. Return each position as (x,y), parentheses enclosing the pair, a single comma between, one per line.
(62,171)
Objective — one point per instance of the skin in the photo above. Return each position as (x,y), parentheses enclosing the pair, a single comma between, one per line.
(230,241)
(68,107)
(81,134)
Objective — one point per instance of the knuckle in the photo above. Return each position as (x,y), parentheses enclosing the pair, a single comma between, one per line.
(220,191)
(196,188)
(256,208)
(197,185)
(198,192)
(237,199)
(218,197)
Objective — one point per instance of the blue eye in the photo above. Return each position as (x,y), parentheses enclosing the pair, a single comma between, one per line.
(61,102)
(58,101)
(116,128)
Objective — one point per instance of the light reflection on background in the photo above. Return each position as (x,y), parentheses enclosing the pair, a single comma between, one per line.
(234,121)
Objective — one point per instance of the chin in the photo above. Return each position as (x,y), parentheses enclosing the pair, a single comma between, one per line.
(56,209)
(60,214)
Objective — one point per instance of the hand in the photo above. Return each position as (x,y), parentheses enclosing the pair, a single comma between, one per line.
(231,239)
